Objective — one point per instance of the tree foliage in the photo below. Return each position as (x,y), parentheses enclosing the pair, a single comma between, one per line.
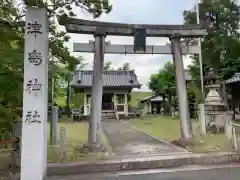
(107,66)
(12,13)
(164,83)
(124,67)
(220,47)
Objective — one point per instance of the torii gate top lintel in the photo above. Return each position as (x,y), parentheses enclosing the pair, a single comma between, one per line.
(80,26)
(139,31)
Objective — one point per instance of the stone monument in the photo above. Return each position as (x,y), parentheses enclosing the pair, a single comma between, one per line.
(35,96)
(217,116)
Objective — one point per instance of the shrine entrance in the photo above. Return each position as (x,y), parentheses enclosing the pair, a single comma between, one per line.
(107,101)
(36,58)
(140,32)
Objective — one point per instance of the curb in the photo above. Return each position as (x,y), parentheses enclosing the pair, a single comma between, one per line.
(162,140)
(154,162)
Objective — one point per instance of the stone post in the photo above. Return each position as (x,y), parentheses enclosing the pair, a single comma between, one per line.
(186,130)
(97,89)
(35,96)
(202,119)
(126,104)
(115,101)
(85,109)
(162,111)
(173,112)
(63,144)
(54,125)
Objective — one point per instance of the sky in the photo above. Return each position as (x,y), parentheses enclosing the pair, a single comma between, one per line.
(140,12)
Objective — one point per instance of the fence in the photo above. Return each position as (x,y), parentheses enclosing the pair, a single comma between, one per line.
(235,135)
(11,145)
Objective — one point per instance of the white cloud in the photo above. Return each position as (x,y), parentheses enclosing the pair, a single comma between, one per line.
(130,11)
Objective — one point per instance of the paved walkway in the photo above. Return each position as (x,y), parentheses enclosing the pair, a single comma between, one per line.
(126,141)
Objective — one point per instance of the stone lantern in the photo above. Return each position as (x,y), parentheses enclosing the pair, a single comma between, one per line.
(217,117)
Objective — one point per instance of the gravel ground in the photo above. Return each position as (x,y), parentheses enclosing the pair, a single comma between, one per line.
(126,141)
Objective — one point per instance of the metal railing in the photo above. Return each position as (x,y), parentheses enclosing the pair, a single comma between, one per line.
(234,131)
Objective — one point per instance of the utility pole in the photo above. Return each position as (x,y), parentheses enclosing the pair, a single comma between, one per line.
(201,105)
(52,97)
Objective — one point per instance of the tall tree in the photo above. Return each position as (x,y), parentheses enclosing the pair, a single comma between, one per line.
(220,46)
(12,44)
(163,82)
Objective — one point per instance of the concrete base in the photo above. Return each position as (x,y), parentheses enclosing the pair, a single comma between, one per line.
(141,163)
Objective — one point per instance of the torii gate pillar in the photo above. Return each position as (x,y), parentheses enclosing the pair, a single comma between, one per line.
(97,90)
(186,128)
(148,30)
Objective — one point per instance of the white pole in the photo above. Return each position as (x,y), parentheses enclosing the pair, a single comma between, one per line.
(200,54)
(201,106)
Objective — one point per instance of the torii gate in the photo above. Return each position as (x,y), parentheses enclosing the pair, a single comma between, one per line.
(101,29)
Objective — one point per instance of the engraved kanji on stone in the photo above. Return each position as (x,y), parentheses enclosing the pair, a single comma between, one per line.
(33,86)
(35,57)
(32,117)
(34,28)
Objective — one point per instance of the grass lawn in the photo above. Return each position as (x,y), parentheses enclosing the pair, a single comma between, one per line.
(77,135)
(77,132)
(169,129)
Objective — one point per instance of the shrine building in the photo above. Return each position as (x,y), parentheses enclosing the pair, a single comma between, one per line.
(116,87)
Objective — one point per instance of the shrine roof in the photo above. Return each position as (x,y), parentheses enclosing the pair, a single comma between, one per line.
(154,98)
(235,78)
(111,79)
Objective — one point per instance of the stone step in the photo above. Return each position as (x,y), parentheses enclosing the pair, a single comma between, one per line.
(108,115)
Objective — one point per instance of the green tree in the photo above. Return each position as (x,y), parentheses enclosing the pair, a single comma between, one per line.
(220,47)
(63,78)
(107,66)
(163,83)
(12,46)
(124,67)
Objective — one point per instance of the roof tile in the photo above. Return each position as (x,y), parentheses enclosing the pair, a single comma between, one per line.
(83,79)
